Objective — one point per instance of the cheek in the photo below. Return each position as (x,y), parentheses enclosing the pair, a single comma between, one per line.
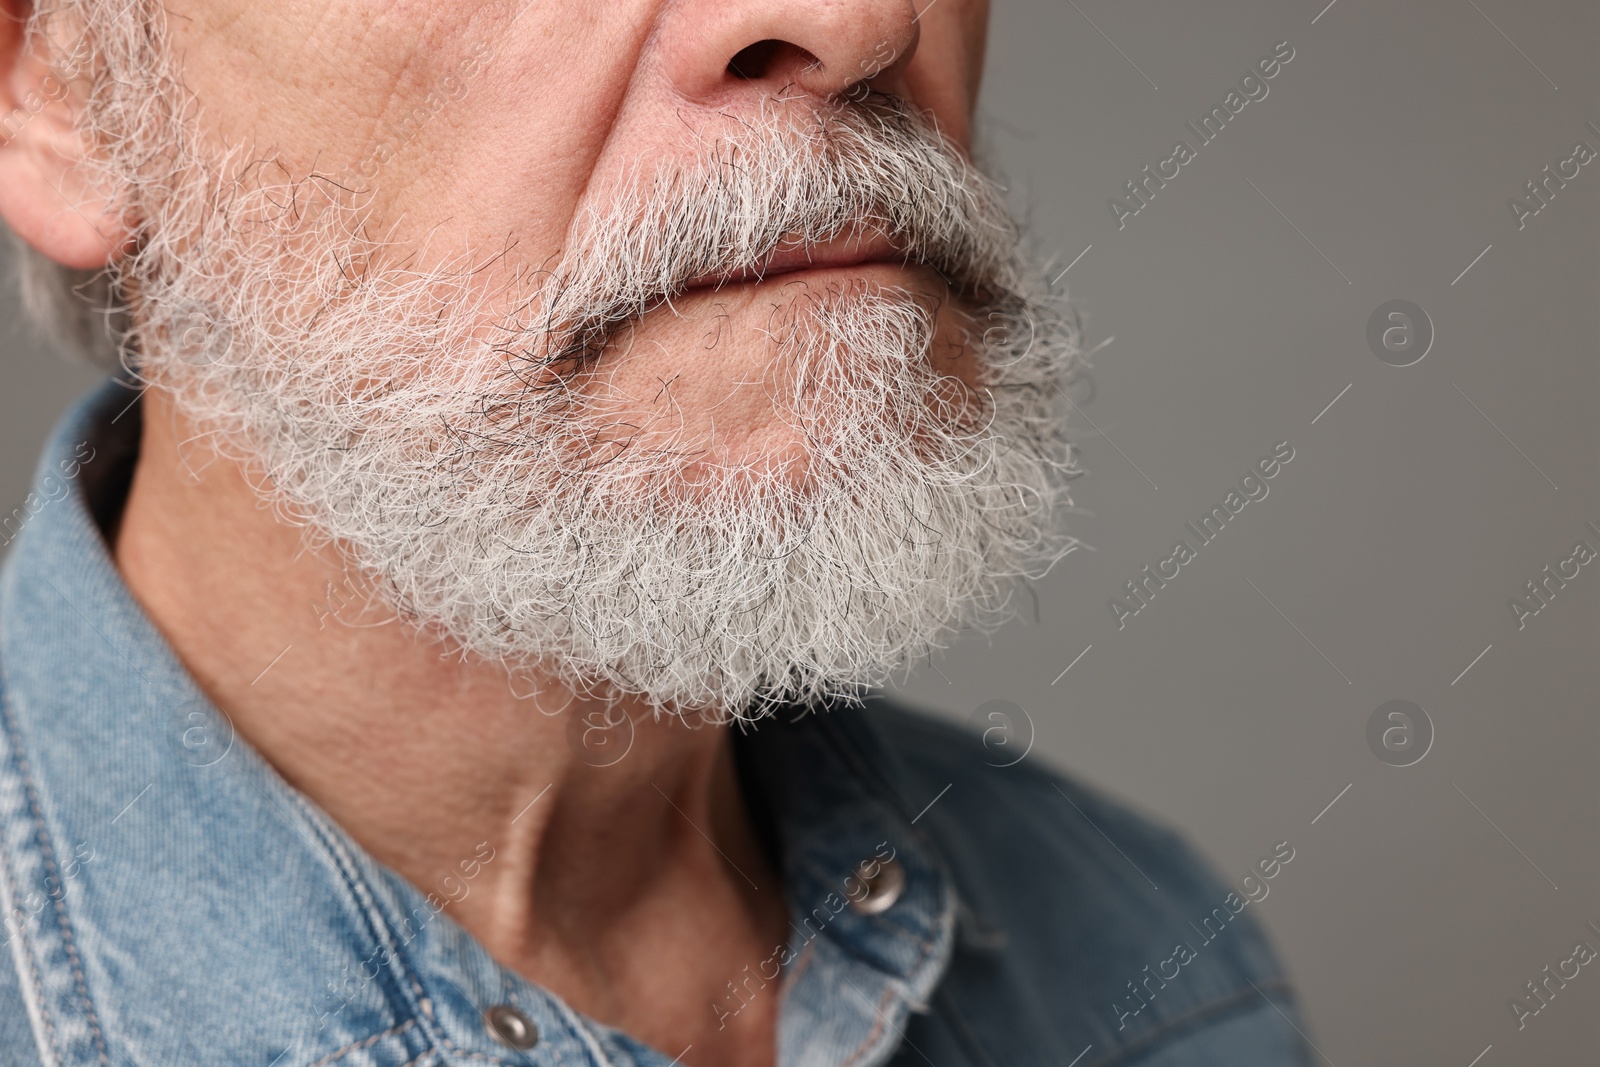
(485,122)
(945,74)
(973,19)
(262,76)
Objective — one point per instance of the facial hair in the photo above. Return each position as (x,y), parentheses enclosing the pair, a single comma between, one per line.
(453,439)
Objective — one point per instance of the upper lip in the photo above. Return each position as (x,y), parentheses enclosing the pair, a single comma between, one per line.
(839,253)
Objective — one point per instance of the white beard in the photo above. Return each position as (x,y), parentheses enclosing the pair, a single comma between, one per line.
(463,458)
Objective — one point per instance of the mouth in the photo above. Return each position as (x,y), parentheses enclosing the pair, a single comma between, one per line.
(795,258)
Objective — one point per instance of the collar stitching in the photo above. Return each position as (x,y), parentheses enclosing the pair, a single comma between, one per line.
(19,761)
(406,990)
(365,1043)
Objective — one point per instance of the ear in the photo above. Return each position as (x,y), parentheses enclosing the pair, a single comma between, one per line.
(44,195)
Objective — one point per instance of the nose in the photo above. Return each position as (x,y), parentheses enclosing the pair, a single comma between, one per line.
(713,49)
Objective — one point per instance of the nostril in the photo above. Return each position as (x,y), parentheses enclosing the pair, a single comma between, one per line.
(758,60)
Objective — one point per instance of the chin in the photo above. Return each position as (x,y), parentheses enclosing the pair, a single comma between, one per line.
(750,384)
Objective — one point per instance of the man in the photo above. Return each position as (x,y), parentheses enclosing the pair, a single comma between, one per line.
(537,421)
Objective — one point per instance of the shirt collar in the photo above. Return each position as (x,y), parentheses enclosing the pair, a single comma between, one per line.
(172,899)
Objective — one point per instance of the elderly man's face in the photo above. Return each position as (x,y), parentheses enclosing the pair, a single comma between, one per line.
(493,124)
(676,349)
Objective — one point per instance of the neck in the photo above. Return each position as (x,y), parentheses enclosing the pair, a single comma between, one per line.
(432,762)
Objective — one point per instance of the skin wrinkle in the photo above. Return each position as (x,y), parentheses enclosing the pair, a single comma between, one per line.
(551,481)
(603,114)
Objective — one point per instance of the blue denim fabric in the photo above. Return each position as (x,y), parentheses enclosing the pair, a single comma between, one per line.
(170,900)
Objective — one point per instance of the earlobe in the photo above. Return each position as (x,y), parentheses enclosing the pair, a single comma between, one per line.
(44,202)
(45,195)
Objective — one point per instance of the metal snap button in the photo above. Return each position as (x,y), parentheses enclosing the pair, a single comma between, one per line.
(885,881)
(511,1027)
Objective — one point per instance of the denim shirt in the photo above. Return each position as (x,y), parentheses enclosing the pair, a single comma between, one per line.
(170,900)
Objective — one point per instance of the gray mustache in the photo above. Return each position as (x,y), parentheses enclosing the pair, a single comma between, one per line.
(868,167)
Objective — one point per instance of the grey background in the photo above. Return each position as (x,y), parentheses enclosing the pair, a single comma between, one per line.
(1386,552)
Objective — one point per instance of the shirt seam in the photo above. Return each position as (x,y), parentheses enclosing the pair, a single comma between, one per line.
(877,1028)
(902,988)
(365,1042)
(42,836)
(377,925)
(25,950)
(879,785)
(383,932)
